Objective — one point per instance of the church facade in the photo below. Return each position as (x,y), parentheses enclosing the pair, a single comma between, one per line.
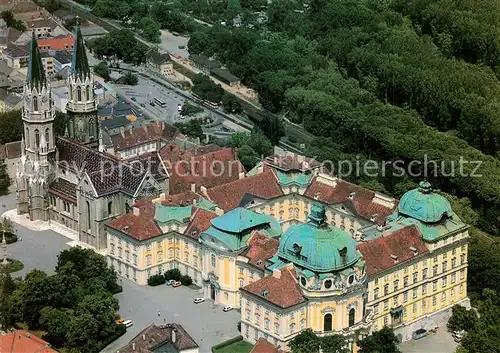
(69,179)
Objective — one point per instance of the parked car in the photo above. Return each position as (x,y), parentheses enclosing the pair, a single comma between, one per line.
(420,333)
(458,335)
(176,284)
(152,103)
(133,98)
(198,300)
(169,282)
(227,308)
(142,105)
(128,323)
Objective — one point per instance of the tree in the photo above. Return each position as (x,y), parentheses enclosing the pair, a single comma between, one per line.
(186,280)
(7,288)
(305,342)
(189,109)
(192,128)
(206,89)
(102,70)
(272,128)
(462,319)
(198,42)
(248,157)
(379,341)
(51,5)
(150,29)
(12,126)
(333,344)
(60,123)
(11,22)
(156,280)
(4,179)
(173,274)
(130,79)
(231,104)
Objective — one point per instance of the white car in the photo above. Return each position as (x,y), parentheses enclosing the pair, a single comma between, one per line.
(227,308)
(128,323)
(198,300)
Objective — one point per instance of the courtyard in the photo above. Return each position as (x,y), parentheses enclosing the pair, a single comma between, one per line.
(439,342)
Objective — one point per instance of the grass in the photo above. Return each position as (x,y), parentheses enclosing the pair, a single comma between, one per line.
(237,347)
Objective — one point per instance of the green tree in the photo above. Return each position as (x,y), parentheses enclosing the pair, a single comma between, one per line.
(231,104)
(7,288)
(4,179)
(462,319)
(12,126)
(272,128)
(11,22)
(198,42)
(305,342)
(56,322)
(379,341)
(248,157)
(173,274)
(189,109)
(60,123)
(102,70)
(150,29)
(130,79)
(192,128)
(333,344)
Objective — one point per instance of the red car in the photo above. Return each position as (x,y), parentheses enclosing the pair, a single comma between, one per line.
(176,284)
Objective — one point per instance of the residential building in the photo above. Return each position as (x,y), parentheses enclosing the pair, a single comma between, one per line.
(48,63)
(23,341)
(171,338)
(45,27)
(16,56)
(61,42)
(13,101)
(4,34)
(204,63)
(92,32)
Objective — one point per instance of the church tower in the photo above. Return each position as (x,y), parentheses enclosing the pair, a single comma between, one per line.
(81,108)
(38,143)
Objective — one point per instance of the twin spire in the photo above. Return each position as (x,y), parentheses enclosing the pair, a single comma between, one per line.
(79,65)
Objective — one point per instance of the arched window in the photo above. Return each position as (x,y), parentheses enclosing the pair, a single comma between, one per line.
(92,127)
(110,208)
(79,94)
(88,215)
(70,93)
(47,137)
(37,138)
(127,207)
(352,315)
(35,103)
(327,323)
(27,137)
(87,94)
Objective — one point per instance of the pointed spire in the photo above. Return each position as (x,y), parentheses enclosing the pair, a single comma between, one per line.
(36,73)
(79,63)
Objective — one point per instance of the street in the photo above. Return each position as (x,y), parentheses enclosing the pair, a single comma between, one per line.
(205,322)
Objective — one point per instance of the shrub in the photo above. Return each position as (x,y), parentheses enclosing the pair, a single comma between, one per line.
(14,265)
(156,280)
(186,280)
(174,274)
(10,238)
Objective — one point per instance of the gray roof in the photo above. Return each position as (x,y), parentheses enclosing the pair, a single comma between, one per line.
(43,23)
(17,51)
(224,74)
(64,14)
(65,72)
(12,99)
(62,56)
(93,31)
(205,61)
(5,68)
(13,149)
(158,58)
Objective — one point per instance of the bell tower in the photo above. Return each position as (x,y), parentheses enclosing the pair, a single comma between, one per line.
(38,144)
(81,108)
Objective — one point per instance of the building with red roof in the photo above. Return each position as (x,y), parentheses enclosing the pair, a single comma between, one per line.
(57,43)
(21,341)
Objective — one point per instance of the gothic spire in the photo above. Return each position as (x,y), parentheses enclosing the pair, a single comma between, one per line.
(36,73)
(79,63)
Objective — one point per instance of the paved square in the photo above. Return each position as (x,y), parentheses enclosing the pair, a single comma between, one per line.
(440,342)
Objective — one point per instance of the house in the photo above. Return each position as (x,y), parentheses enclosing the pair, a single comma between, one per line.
(25,342)
(204,63)
(61,59)
(225,76)
(48,63)
(160,62)
(171,338)
(13,101)
(45,27)
(93,32)
(4,34)
(61,42)
(16,56)
(63,15)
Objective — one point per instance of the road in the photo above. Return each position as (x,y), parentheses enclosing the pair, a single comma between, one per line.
(206,323)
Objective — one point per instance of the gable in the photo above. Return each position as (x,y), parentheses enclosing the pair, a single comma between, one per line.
(148,187)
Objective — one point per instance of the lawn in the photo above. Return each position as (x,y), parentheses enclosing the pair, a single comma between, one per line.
(237,347)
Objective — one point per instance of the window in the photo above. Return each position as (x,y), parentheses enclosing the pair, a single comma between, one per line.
(396,285)
(415,277)
(375,309)
(276,328)
(423,304)
(241,270)
(35,103)
(302,324)
(47,138)
(186,257)
(395,301)
(434,270)
(213,260)
(386,321)
(242,284)
(405,296)
(37,138)
(453,277)
(434,300)
(120,254)
(170,253)
(453,262)
(414,293)
(248,314)
(328,284)
(462,259)
(110,208)
(424,274)
(443,282)
(445,265)
(148,260)
(160,256)
(414,309)
(405,281)
(424,288)
(87,95)
(443,297)
(462,274)
(292,328)
(386,304)
(352,316)
(375,293)
(266,324)
(386,289)
(112,249)
(135,259)
(88,215)
(79,94)
(434,285)
(327,323)
(452,292)
(127,255)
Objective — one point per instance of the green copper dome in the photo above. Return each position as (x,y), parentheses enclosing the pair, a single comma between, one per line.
(424,205)
(317,246)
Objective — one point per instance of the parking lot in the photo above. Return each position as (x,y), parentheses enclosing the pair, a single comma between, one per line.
(439,342)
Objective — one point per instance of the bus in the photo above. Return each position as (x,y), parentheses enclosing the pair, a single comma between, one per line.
(160,102)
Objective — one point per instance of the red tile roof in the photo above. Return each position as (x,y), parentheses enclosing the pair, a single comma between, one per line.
(378,253)
(261,248)
(292,161)
(200,222)
(142,135)
(21,341)
(362,200)
(141,226)
(60,43)
(208,170)
(228,196)
(181,199)
(263,346)
(283,291)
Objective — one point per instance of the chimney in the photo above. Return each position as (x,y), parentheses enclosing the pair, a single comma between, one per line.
(163,125)
(193,187)
(133,346)
(143,337)
(162,196)
(194,201)
(351,195)
(305,165)
(136,211)
(173,336)
(414,250)
(394,257)
(122,131)
(241,175)
(277,273)
(219,211)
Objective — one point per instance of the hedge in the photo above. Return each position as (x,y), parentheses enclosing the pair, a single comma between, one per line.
(156,280)
(10,238)
(174,274)
(186,280)
(227,343)
(14,265)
